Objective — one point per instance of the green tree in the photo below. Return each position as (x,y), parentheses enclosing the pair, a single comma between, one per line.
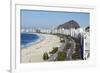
(61,56)
(75,56)
(45,56)
(55,49)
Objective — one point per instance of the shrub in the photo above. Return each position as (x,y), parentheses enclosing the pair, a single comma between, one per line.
(45,56)
(61,56)
(55,49)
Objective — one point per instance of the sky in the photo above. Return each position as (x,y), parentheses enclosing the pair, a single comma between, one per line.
(51,19)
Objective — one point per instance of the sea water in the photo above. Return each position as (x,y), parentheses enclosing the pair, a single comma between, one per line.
(28,38)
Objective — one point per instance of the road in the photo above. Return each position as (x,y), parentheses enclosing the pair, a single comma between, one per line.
(71,50)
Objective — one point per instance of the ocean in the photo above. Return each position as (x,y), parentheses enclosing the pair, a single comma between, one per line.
(28,38)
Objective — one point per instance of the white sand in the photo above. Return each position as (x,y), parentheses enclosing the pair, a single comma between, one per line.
(34,53)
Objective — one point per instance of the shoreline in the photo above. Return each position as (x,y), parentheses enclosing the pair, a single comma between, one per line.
(35,52)
(41,38)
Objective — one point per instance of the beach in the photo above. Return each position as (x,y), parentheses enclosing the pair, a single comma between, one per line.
(34,53)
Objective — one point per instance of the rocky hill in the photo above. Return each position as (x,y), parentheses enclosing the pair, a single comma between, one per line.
(70,24)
